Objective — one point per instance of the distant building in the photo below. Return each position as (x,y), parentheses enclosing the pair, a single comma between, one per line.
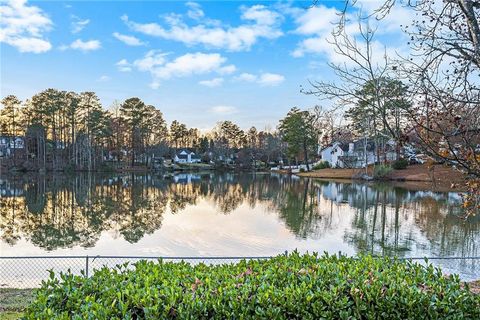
(186,156)
(333,152)
(356,154)
(10,143)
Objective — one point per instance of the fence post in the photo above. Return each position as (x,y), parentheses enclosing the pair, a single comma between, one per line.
(86,266)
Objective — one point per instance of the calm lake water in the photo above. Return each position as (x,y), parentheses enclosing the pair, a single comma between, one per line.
(230,215)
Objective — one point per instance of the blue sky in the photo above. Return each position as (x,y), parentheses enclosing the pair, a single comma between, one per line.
(198,62)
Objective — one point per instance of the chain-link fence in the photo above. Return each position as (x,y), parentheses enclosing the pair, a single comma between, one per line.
(28,272)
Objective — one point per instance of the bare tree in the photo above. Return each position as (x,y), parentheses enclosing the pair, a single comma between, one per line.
(442,74)
(364,65)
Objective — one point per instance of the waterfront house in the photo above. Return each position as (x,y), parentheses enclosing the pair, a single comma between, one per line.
(357,154)
(186,156)
(9,143)
(333,152)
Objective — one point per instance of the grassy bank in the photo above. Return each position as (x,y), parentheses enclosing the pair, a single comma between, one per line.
(13,302)
(285,287)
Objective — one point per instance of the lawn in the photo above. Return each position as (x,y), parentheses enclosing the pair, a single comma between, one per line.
(13,302)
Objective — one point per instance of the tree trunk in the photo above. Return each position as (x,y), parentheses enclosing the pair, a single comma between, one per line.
(305,153)
(133,148)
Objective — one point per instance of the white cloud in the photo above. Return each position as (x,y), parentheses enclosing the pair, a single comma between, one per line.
(227,69)
(258,22)
(317,23)
(161,68)
(194,10)
(191,63)
(248,77)
(271,79)
(316,20)
(34,45)
(103,78)
(152,59)
(321,45)
(317,44)
(223,110)
(84,46)
(22,26)
(128,40)
(154,84)
(215,82)
(261,15)
(264,79)
(399,14)
(78,24)
(123,66)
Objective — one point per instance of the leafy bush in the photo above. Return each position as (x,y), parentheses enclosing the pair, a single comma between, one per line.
(302,169)
(321,165)
(106,167)
(400,164)
(285,287)
(381,171)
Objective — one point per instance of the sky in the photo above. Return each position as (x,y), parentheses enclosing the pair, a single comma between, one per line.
(198,62)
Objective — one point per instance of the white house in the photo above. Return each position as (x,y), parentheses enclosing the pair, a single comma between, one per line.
(186,156)
(356,154)
(9,143)
(333,152)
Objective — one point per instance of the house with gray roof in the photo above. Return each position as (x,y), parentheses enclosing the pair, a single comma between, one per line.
(186,156)
(356,154)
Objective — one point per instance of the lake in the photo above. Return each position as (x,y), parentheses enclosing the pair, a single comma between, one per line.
(213,214)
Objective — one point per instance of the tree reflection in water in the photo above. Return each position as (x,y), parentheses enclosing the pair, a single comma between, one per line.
(58,211)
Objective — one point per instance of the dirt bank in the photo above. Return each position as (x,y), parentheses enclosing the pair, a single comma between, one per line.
(439,177)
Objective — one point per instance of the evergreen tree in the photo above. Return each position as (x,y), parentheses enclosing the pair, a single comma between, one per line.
(134,113)
(298,131)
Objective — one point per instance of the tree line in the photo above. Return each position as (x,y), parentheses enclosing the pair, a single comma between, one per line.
(77,132)
(429,99)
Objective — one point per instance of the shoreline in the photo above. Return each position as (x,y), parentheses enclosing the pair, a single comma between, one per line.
(143,169)
(414,177)
(445,179)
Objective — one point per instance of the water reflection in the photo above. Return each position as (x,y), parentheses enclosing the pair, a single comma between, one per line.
(57,211)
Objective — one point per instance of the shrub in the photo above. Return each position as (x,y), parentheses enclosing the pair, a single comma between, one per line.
(69,168)
(106,167)
(321,165)
(381,171)
(400,164)
(302,169)
(285,287)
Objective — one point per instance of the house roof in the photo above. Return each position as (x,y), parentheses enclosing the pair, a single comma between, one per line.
(343,146)
(183,154)
(359,145)
(184,151)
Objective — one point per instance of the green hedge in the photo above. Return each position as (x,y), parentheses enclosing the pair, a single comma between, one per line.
(400,164)
(381,171)
(285,287)
(322,165)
